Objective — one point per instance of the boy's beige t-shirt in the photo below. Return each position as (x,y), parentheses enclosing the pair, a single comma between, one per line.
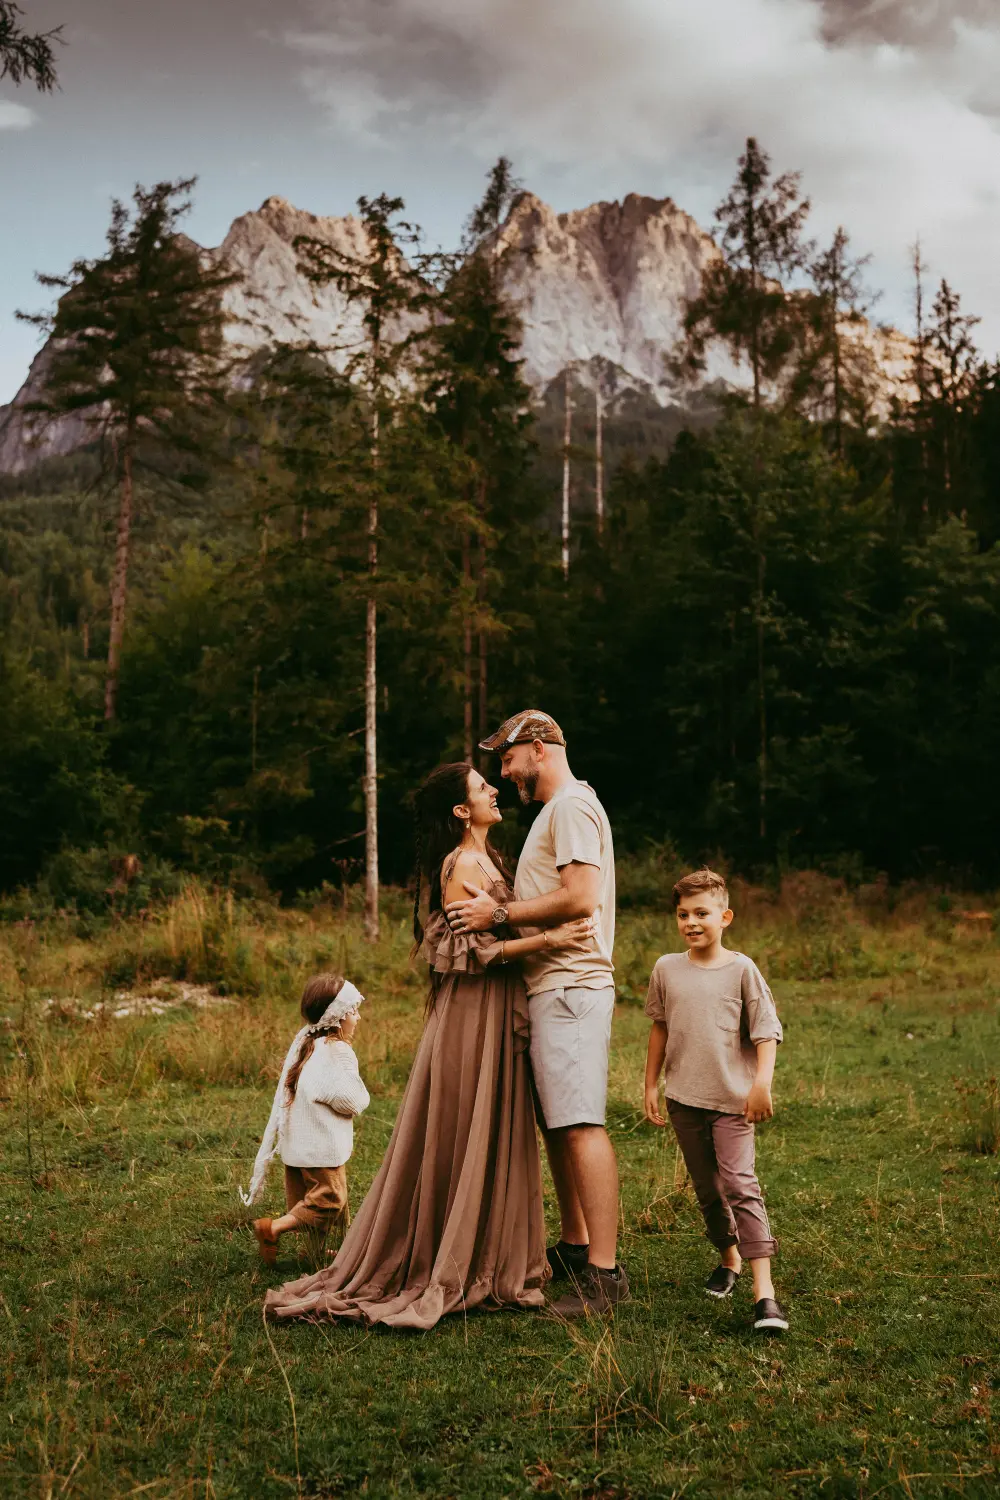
(572,827)
(714,1019)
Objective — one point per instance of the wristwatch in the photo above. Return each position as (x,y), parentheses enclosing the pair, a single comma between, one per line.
(500,917)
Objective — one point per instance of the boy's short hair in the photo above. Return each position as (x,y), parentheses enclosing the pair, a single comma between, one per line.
(698,881)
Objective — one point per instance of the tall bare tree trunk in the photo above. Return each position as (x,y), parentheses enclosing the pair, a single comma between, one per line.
(838,394)
(599,458)
(949,408)
(254,701)
(483,686)
(467,649)
(758,543)
(119,582)
(921,363)
(565,484)
(371,922)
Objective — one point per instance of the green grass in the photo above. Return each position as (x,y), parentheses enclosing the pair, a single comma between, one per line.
(133,1355)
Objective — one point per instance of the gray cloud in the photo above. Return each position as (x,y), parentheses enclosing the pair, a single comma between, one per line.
(888,106)
(925,24)
(14,116)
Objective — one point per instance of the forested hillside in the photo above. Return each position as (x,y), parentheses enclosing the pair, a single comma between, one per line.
(781,645)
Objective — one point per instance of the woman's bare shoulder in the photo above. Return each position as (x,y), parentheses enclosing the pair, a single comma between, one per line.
(462,865)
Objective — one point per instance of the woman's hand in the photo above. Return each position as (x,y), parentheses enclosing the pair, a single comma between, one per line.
(568,933)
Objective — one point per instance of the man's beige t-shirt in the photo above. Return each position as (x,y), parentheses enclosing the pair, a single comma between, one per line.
(572,828)
(714,1020)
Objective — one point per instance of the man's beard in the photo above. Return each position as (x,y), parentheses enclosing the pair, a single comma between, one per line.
(527,786)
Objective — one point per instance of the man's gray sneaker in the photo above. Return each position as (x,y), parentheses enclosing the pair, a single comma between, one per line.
(567,1261)
(595,1291)
(721,1282)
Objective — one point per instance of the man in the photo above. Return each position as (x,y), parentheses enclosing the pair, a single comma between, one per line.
(566,870)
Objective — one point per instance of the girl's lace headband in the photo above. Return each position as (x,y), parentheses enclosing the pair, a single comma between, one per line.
(347,998)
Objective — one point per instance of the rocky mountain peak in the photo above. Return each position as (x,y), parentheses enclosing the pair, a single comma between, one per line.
(288,222)
(274,302)
(600,290)
(606,283)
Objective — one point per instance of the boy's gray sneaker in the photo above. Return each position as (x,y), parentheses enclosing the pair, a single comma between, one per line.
(721,1282)
(567,1261)
(769,1316)
(596,1291)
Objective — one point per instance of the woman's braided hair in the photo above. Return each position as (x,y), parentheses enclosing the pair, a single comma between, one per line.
(418,877)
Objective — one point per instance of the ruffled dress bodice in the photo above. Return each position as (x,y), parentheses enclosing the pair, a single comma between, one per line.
(474,954)
(449,952)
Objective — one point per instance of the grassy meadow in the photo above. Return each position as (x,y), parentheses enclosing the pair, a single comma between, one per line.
(137,1064)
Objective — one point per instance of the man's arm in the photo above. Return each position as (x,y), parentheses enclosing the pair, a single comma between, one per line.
(576,896)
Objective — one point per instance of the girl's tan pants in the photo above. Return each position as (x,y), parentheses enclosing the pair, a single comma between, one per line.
(317,1196)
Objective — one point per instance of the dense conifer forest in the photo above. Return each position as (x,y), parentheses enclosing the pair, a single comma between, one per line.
(780,648)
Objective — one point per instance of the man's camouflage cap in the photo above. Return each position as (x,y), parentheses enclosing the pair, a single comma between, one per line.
(521,729)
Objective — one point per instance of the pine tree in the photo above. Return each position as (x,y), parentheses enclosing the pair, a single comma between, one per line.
(482,230)
(139,354)
(682,593)
(474,387)
(742,299)
(392,296)
(834,373)
(920,339)
(483,242)
(309,469)
(744,302)
(919,412)
(26,58)
(954,366)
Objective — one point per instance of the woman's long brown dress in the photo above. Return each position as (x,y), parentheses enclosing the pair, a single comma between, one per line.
(454,1217)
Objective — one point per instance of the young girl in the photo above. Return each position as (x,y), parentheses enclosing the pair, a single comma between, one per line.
(311,1125)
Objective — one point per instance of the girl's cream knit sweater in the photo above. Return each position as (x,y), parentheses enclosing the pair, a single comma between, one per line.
(317,1128)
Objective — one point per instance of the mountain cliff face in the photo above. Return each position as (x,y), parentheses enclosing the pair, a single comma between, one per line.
(274,302)
(606,283)
(601,289)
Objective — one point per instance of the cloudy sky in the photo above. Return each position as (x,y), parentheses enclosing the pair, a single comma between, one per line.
(890,108)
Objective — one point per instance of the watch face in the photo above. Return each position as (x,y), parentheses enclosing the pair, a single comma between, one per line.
(499,915)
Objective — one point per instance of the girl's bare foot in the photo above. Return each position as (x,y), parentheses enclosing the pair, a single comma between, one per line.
(267,1240)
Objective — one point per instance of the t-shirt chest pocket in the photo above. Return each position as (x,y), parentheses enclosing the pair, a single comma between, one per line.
(729,1013)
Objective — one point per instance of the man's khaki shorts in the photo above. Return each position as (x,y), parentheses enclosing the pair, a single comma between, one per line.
(570,1041)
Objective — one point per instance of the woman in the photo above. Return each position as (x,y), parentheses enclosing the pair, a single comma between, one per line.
(454,1217)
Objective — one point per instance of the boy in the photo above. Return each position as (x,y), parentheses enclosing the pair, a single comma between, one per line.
(714,1036)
